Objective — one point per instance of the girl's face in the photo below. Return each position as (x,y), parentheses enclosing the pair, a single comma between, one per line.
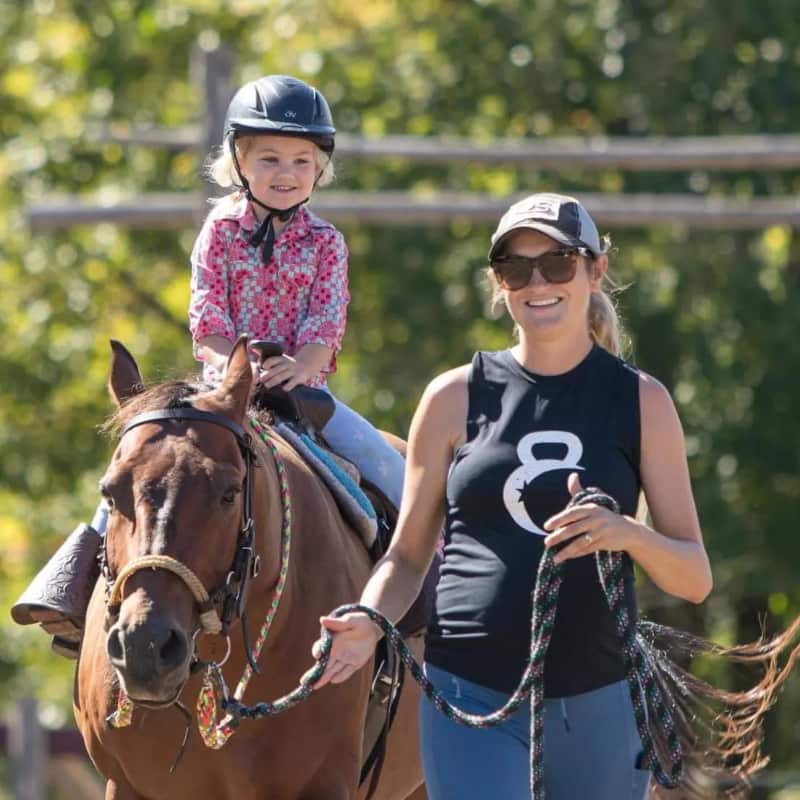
(281,170)
(550,310)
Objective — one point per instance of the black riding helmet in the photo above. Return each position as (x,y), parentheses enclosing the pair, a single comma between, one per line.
(282,105)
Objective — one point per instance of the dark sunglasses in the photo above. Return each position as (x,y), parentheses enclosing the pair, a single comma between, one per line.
(556,266)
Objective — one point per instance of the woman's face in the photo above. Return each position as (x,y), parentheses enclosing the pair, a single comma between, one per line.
(281,170)
(546,310)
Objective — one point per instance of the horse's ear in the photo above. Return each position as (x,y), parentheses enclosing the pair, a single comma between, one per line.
(125,379)
(234,391)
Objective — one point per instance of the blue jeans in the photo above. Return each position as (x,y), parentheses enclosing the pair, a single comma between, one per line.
(359,441)
(591,746)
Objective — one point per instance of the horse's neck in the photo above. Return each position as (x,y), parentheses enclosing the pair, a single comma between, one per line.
(327,566)
(327,562)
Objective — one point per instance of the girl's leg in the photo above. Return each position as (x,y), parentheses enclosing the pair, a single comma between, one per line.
(592,747)
(463,763)
(100,518)
(352,436)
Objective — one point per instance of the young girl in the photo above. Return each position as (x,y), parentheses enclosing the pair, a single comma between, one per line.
(263,265)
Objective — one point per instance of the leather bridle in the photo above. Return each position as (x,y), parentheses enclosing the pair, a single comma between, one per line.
(232,594)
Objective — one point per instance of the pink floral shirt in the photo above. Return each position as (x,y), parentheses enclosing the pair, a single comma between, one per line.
(300,297)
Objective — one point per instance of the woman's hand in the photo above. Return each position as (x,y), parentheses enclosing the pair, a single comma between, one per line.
(587,528)
(354,638)
(283,371)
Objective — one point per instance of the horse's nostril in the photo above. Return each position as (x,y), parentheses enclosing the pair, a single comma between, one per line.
(173,651)
(114,648)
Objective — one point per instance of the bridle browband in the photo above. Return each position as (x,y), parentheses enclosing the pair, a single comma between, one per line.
(233,593)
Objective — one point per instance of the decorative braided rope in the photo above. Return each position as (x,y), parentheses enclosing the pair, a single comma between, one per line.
(545,600)
(213,693)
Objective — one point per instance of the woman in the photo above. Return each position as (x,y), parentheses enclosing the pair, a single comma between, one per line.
(496,449)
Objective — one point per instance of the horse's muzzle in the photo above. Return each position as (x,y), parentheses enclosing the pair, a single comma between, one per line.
(151,657)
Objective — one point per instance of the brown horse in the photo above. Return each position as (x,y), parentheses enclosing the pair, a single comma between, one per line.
(179,484)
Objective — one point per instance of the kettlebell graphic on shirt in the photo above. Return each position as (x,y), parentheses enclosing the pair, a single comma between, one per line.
(531,468)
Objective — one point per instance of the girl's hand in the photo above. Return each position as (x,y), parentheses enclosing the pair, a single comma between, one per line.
(587,527)
(354,640)
(283,371)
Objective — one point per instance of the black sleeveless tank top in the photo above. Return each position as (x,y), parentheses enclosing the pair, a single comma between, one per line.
(525,434)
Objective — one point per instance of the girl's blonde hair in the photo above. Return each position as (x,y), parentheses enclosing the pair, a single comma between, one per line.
(221,168)
(605,325)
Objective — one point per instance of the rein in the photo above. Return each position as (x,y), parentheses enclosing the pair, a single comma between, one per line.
(214,692)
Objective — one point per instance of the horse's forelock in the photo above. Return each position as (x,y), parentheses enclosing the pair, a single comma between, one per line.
(173,394)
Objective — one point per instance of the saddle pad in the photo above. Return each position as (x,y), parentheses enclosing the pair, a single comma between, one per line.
(353,503)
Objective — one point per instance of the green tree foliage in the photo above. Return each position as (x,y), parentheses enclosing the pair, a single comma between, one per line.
(711,314)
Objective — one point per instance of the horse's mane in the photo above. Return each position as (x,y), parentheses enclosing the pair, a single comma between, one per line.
(172,394)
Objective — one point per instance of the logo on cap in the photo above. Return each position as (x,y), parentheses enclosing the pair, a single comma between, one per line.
(545,208)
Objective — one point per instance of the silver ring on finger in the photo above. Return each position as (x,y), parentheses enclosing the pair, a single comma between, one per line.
(588,538)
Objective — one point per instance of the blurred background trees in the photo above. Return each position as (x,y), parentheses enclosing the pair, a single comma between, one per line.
(711,314)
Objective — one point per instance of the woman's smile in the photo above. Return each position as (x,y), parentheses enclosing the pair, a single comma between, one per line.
(547,302)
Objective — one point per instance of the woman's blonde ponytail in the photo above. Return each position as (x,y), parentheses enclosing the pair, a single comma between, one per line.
(604,323)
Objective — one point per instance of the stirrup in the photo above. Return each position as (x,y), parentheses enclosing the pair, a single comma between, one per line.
(57,598)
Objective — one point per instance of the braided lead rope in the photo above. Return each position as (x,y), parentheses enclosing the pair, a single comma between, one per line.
(545,600)
(214,691)
(642,684)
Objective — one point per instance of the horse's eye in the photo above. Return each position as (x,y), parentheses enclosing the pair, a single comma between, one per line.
(229,498)
(107,498)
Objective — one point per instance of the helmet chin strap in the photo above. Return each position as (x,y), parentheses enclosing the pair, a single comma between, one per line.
(266,230)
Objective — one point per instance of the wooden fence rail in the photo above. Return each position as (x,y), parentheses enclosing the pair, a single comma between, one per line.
(174,210)
(652,154)
(212,70)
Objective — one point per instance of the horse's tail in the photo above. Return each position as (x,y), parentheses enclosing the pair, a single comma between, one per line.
(721,731)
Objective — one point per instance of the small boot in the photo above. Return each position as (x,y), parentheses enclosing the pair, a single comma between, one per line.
(57,598)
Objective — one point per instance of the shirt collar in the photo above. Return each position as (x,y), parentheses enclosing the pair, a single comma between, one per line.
(242,211)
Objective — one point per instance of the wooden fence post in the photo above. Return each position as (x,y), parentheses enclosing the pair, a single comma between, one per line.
(212,70)
(27,751)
